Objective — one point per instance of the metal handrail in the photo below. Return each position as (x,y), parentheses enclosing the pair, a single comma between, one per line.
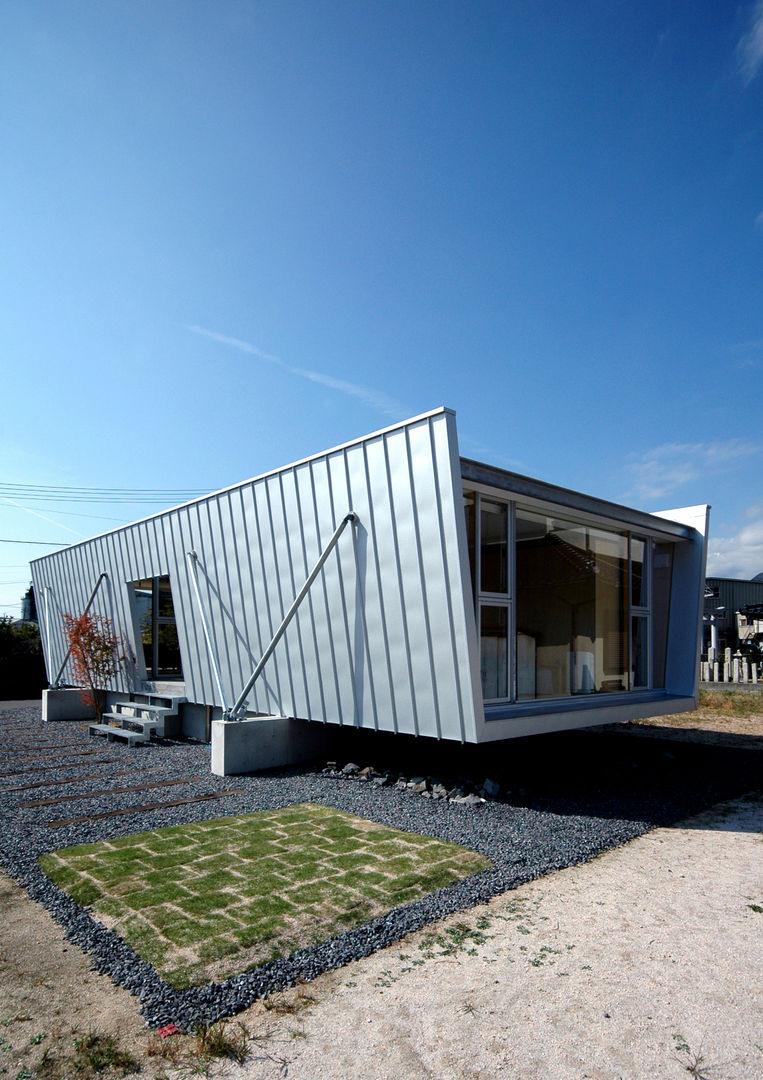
(193,558)
(56,681)
(233,714)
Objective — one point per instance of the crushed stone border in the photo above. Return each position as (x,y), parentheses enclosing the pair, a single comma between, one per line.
(528,833)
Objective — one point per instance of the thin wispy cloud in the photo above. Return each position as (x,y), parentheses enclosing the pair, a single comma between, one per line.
(739,555)
(368,395)
(43,517)
(666,468)
(750,47)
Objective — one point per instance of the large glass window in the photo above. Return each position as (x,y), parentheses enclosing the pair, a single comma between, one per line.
(571,605)
(155,613)
(564,608)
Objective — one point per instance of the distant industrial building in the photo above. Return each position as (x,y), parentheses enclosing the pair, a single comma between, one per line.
(729,605)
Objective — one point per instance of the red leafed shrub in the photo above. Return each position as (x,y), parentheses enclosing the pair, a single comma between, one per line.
(96,656)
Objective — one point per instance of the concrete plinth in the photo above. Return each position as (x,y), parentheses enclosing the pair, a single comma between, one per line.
(65,705)
(264,742)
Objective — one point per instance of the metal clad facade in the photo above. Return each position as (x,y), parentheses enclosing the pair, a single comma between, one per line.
(384,638)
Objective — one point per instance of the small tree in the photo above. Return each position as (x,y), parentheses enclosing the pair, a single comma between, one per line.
(96,656)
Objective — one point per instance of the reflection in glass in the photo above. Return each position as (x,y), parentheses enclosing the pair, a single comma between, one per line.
(494,537)
(638,580)
(155,615)
(469,500)
(572,603)
(494,651)
(662,574)
(639,652)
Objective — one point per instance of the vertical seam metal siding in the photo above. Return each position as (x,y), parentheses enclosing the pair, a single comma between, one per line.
(382,640)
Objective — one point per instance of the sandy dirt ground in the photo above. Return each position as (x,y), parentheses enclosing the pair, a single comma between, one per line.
(645,963)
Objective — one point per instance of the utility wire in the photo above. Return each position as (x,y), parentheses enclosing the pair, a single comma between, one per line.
(57,493)
(44,543)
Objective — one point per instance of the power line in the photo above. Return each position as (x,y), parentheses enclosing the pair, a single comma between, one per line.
(60,493)
(45,543)
(105,490)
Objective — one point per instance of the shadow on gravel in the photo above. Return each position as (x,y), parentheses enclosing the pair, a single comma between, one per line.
(606,774)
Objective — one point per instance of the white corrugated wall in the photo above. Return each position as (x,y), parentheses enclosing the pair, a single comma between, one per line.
(385,638)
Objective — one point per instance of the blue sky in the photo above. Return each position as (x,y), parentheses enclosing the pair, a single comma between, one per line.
(237,233)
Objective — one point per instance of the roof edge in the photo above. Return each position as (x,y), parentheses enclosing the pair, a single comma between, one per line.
(479,473)
(440,410)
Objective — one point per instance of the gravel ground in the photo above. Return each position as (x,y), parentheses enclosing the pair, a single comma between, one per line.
(565,799)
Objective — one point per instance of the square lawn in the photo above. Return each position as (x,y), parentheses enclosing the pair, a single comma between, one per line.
(210,899)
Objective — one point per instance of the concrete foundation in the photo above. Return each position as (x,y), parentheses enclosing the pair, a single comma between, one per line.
(264,742)
(65,705)
(196,720)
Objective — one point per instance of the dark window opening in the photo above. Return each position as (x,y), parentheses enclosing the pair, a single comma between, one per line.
(157,628)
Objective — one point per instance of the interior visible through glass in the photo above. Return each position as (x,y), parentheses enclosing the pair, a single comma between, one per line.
(591,604)
(494,651)
(571,608)
(157,627)
(638,579)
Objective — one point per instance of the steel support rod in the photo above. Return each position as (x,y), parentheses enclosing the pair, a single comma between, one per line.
(87,608)
(49,655)
(193,558)
(233,714)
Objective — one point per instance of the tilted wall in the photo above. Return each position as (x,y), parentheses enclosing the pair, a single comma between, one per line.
(385,638)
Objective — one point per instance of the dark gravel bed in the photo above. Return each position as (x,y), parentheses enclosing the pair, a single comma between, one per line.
(564,799)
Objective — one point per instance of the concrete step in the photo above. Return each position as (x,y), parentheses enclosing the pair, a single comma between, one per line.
(136,723)
(132,738)
(142,706)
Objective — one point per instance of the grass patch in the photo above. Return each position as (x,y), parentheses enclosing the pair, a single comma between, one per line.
(732,702)
(95,1053)
(207,900)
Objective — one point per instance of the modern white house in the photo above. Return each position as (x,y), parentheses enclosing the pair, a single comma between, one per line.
(390,584)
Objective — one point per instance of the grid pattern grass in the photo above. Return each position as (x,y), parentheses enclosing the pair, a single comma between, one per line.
(208,900)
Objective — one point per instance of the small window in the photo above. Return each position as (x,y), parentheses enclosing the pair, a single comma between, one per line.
(157,628)
(494,547)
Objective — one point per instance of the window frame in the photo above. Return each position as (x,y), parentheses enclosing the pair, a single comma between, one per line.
(477,492)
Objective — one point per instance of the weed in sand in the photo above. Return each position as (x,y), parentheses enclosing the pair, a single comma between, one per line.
(222,1040)
(692,1061)
(454,939)
(93,1054)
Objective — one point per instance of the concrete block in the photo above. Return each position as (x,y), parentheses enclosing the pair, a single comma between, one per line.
(265,742)
(65,705)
